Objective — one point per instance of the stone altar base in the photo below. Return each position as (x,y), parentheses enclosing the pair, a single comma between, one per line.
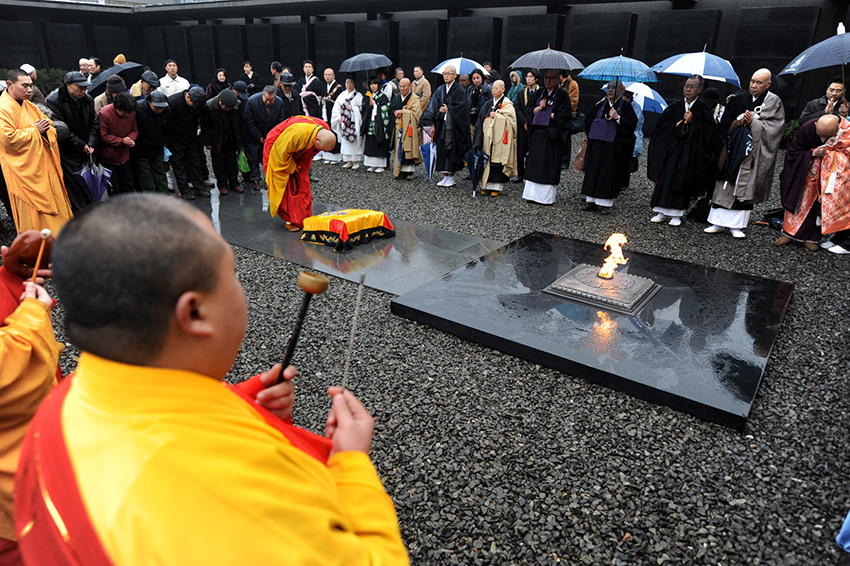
(700,345)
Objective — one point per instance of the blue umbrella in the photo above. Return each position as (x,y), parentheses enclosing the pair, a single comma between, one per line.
(462,65)
(827,53)
(429,157)
(645,97)
(706,65)
(96,179)
(619,67)
(476,160)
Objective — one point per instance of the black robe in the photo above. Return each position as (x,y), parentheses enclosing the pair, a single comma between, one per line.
(678,156)
(377,145)
(546,143)
(606,163)
(451,135)
(525,103)
(310,104)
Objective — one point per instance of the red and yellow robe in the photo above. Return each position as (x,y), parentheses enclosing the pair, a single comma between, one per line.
(130,466)
(287,155)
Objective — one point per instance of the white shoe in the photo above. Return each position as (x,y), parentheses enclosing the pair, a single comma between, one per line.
(379,170)
(714,229)
(737,233)
(675,221)
(348,165)
(658,218)
(370,169)
(836,249)
(355,167)
(317,158)
(443,182)
(449,181)
(826,245)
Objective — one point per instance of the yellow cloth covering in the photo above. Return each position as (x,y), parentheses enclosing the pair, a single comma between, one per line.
(28,357)
(176,469)
(283,159)
(344,229)
(31,167)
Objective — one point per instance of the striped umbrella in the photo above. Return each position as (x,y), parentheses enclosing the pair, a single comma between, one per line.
(708,66)
(619,67)
(462,65)
(648,99)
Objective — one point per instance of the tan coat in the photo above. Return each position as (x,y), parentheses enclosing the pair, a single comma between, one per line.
(422,89)
(411,137)
(500,140)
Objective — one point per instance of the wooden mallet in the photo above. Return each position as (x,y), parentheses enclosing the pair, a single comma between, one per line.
(311,284)
(45,235)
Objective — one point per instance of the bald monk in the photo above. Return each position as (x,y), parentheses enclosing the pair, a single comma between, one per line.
(288,152)
(145,457)
(29,354)
(29,158)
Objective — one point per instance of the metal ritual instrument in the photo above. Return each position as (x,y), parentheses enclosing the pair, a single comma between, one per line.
(353,329)
(311,284)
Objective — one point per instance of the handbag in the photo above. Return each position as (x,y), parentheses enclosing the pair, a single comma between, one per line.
(578,162)
(577,124)
(242,163)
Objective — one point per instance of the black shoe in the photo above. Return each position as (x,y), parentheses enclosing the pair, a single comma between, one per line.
(606,210)
(187,196)
(202,193)
(589,206)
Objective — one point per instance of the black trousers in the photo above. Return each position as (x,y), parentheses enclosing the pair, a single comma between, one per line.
(224,166)
(186,160)
(121,179)
(4,196)
(254,154)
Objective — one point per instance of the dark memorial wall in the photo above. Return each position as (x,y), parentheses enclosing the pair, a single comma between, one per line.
(16,53)
(293,41)
(259,43)
(177,49)
(377,36)
(334,44)
(202,55)
(154,49)
(530,33)
(67,44)
(476,38)
(109,41)
(421,42)
(228,46)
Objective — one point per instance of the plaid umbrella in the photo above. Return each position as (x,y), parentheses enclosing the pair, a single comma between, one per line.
(618,67)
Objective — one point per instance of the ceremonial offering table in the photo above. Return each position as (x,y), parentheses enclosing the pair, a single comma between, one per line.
(344,229)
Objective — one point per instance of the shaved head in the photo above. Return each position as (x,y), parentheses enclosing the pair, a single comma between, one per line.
(827,126)
(760,82)
(325,140)
(498,88)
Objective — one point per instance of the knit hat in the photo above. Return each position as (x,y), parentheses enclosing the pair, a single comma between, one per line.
(119,59)
(115,84)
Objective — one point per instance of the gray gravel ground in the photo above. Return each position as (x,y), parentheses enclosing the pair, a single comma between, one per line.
(495,460)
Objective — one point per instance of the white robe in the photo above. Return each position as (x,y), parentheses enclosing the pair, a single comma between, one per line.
(351,151)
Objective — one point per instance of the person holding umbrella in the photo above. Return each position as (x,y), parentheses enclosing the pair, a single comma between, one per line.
(448,116)
(679,153)
(610,143)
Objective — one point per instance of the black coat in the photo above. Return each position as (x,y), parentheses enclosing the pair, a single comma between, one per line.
(457,104)
(255,85)
(310,103)
(366,112)
(213,123)
(290,107)
(154,130)
(82,123)
(260,120)
(184,121)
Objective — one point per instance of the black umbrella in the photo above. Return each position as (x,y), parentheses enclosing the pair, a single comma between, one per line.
(547,59)
(130,72)
(476,160)
(364,62)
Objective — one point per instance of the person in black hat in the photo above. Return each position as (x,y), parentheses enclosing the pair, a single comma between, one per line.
(72,104)
(153,119)
(186,108)
(241,90)
(291,101)
(144,86)
(114,85)
(222,128)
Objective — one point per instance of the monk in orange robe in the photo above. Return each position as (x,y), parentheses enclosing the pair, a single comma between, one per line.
(29,158)
(287,155)
(144,457)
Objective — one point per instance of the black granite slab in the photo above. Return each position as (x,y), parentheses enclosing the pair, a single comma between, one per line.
(700,345)
(396,265)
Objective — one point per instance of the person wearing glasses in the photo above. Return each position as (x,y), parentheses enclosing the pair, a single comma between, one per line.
(448,116)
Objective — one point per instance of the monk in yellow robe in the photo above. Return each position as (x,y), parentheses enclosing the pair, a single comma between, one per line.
(406,108)
(287,155)
(145,457)
(29,158)
(496,135)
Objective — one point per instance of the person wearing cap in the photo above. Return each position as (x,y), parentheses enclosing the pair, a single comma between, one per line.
(172,83)
(114,85)
(144,86)
(291,101)
(118,133)
(37,95)
(222,128)
(263,111)
(29,159)
(119,60)
(153,119)
(186,108)
(240,89)
(72,104)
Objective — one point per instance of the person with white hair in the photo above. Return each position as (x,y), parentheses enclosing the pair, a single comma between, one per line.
(37,95)
(448,116)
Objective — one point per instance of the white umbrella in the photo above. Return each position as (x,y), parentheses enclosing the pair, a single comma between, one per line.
(647,99)
(462,65)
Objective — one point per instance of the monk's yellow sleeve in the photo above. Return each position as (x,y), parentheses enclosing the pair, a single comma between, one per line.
(11,138)
(369,508)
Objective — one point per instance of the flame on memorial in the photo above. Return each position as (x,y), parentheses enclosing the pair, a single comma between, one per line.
(613,244)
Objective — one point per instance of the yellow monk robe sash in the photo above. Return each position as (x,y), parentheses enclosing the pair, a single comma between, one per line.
(344,229)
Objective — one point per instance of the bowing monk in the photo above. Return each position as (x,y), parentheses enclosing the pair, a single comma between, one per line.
(287,155)
(29,158)
(29,354)
(145,457)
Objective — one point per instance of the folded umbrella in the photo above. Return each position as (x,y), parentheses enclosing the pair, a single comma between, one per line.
(476,160)
(429,157)
(96,179)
